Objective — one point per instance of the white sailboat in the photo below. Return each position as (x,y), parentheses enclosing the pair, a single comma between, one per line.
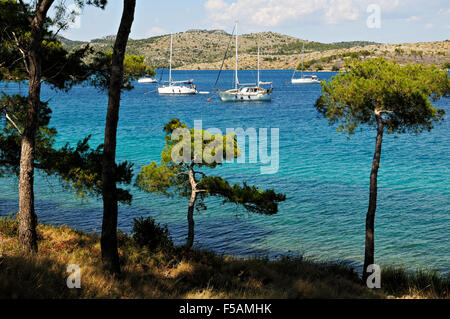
(147,80)
(177,87)
(246,93)
(304,79)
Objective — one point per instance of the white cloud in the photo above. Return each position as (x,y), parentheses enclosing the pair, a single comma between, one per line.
(339,10)
(444,11)
(271,13)
(155,31)
(429,26)
(412,19)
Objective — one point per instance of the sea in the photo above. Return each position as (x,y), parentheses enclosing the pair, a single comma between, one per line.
(324,174)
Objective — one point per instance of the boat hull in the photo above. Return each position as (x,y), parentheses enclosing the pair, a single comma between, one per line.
(177,90)
(143,81)
(240,97)
(304,81)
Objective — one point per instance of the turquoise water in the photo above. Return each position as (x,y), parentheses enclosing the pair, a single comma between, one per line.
(324,175)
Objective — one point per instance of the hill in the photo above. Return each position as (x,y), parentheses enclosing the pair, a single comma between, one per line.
(205,49)
(209,46)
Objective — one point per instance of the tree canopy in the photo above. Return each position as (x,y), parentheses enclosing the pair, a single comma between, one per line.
(390,97)
(134,67)
(171,177)
(401,93)
(78,167)
(188,150)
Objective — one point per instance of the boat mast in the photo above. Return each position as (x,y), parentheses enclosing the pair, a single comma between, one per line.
(303,57)
(237,58)
(258,68)
(170,70)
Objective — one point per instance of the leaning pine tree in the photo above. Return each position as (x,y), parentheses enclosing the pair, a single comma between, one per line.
(29,51)
(389,97)
(186,152)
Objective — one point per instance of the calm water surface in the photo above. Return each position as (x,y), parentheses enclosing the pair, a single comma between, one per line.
(324,175)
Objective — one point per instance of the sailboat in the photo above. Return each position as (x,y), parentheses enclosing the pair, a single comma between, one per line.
(246,93)
(304,79)
(177,87)
(146,80)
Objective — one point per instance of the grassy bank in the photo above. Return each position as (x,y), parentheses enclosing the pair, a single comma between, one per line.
(175,273)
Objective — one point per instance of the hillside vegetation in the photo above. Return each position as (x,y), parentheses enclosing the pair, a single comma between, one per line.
(437,53)
(205,49)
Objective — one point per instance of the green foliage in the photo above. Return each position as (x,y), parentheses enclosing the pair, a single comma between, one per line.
(147,233)
(80,168)
(361,54)
(250,197)
(12,24)
(134,68)
(311,46)
(199,148)
(402,93)
(399,51)
(60,69)
(422,282)
(185,151)
(15,107)
(416,53)
(335,68)
(9,226)
(160,179)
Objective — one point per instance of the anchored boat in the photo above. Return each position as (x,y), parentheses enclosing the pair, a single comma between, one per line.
(147,80)
(246,92)
(304,79)
(177,87)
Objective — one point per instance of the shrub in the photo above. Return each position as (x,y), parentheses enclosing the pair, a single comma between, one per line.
(9,226)
(422,282)
(146,232)
(399,51)
(335,68)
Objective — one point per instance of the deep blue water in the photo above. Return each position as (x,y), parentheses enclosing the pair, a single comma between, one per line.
(324,174)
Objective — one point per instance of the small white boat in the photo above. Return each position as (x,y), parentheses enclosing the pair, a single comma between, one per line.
(304,79)
(177,87)
(174,88)
(147,80)
(246,93)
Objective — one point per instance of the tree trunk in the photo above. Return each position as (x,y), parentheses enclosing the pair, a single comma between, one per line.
(110,254)
(27,216)
(190,218)
(369,258)
(191,208)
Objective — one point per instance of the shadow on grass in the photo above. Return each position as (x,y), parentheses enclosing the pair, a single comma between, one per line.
(177,273)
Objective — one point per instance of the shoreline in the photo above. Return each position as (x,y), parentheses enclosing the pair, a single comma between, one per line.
(198,274)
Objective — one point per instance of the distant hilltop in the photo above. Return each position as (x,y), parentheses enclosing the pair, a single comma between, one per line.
(205,49)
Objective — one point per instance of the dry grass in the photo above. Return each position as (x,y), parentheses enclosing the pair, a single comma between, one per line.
(165,274)
(427,53)
(204,50)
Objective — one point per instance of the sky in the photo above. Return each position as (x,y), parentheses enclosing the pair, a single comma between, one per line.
(385,21)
